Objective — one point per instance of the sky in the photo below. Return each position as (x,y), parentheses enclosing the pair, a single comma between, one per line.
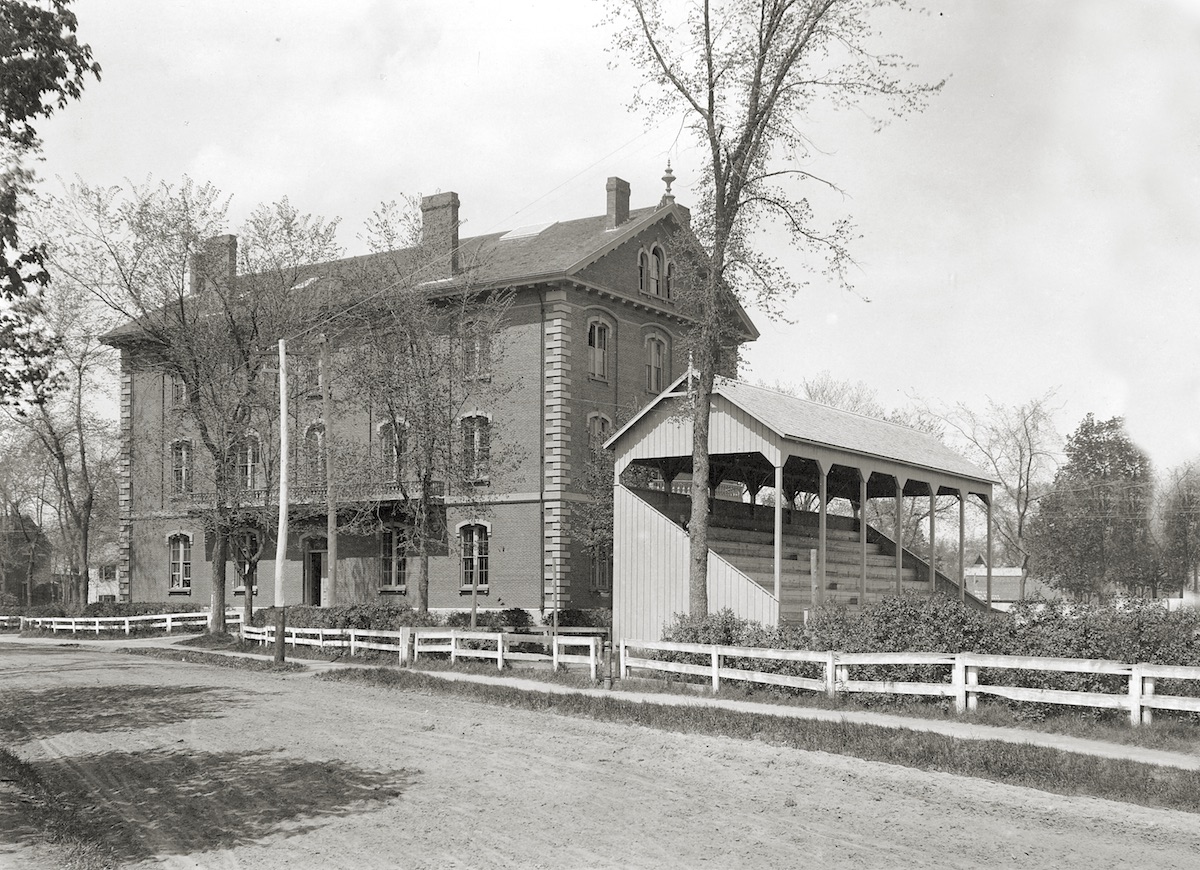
(1036,228)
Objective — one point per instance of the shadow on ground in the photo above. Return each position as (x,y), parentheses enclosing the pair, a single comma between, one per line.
(137,805)
(47,712)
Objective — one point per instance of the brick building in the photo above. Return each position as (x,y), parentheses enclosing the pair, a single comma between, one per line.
(592,335)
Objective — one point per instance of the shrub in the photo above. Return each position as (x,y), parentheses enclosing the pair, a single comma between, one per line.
(139,608)
(374,616)
(595,618)
(491,620)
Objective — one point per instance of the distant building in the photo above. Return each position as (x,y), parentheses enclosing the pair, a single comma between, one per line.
(1006,585)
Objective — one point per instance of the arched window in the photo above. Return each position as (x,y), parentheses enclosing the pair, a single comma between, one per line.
(598,335)
(656,271)
(314,453)
(643,272)
(669,282)
(179,396)
(179,550)
(248,457)
(181,466)
(477,352)
(656,362)
(476,447)
(599,428)
(473,544)
(393,560)
(393,446)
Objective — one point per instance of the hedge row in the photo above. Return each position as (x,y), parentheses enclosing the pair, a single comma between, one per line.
(389,617)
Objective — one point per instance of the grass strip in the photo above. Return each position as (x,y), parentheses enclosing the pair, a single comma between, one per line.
(58,817)
(1044,768)
(241,663)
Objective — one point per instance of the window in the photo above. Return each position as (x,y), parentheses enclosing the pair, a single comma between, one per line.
(178,391)
(598,350)
(392,448)
(245,559)
(248,455)
(599,427)
(473,542)
(181,466)
(314,453)
(656,356)
(476,447)
(394,560)
(669,282)
(179,547)
(310,378)
(477,352)
(654,287)
(602,566)
(644,272)
(107,599)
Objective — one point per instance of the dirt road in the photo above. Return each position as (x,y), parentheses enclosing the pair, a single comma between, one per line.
(218,768)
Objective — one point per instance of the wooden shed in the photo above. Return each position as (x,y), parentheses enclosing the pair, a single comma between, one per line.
(772,563)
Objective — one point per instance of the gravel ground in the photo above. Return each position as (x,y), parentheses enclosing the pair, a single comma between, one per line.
(196,766)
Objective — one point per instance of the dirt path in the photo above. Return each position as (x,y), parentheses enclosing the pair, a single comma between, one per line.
(228,769)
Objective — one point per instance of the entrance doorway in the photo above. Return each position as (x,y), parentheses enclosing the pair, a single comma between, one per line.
(316,569)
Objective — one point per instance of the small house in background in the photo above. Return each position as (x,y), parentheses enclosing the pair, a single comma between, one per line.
(1006,585)
(102,575)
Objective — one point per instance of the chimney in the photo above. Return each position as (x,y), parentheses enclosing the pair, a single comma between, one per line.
(214,265)
(618,203)
(439,233)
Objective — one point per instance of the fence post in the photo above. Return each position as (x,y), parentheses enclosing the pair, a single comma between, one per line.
(126,626)
(622,669)
(972,681)
(592,644)
(454,646)
(353,642)
(169,620)
(716,669)
(554,653)
(831,673)
(1147,692)
(500,651)
(958,680)
(405,634)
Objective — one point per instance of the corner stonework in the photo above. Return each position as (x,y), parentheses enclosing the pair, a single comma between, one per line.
(556,469)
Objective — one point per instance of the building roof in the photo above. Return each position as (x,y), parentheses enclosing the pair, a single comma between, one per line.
(811,422)
(559,250)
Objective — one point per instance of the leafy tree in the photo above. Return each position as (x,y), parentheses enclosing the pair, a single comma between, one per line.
(1180,518)
(1092,531)
(42,67)
(744,72)
(1019,445)
(206,313)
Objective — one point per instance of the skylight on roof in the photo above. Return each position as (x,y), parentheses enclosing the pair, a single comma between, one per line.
(526,232)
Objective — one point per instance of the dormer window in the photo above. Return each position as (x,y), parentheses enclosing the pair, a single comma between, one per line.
(655,273)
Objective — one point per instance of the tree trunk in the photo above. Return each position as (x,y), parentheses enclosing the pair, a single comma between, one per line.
(248,595)
(698,522)
(216,621)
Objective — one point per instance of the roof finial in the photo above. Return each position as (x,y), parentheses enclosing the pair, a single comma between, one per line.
(668,199)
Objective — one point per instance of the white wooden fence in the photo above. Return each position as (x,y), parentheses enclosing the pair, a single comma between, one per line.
(962,684)
(458,643)
(98,624)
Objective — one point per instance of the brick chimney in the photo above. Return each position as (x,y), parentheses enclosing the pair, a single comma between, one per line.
(439,233)
(214,264)
(618,203)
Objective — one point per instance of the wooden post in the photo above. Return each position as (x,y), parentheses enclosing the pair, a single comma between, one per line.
(280,626)
(962,545)
(822,523)
(958,680)
(331,525)
(862,536)
(812,579)
(830,673)
(281,531)
(932,537)
(972,681)
(989,552)
(779,533)
(716,670)
(500,651)
(1135,696)
(898,534)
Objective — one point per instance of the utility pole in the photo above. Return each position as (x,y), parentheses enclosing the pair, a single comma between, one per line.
(281,532)
(330,494)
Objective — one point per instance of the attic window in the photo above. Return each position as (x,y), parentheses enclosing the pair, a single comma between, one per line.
(526,232)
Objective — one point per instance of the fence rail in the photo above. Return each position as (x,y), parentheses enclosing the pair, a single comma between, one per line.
(98,624)
(962,683)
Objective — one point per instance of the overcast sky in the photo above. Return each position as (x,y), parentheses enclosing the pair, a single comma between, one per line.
(1037,227)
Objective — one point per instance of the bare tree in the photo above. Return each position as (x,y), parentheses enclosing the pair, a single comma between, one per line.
(743,72)
(423,362)
(206,311)
(1019,445)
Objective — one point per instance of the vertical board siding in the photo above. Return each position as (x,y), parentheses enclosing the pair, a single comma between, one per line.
(650,574)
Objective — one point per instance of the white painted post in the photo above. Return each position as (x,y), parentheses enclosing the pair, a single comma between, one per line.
(621,668)
(126,626)
(592,655)
(1147,692)
(1135,696)
(812,577)
(716,671)
(842,675)
(169,621)
(453,646)
(958,680)
(831,673)
(972,681)
(353,642)
(406,635)
(554,653)
(500,651)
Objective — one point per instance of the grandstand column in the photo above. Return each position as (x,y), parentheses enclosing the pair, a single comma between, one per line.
(962,545)
(933,487)
(822,524)
(779,530)
(987,500)
(898,533)
(863,475)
